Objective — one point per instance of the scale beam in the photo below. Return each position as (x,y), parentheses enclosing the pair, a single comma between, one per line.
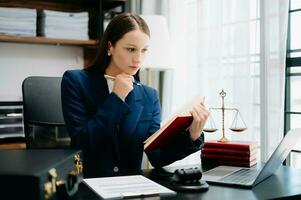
(234,123)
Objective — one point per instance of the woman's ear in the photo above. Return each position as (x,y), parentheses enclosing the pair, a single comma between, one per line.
(110,47)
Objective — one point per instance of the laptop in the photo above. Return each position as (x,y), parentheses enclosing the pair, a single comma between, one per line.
(249,177)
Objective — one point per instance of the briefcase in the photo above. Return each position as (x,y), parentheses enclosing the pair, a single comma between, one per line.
(39,174)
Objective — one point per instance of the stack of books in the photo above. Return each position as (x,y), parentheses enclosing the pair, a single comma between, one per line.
(233,153)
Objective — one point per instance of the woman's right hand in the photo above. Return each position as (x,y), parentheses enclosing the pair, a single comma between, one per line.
(123,85)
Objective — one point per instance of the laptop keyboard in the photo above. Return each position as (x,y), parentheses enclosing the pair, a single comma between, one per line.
(242,176)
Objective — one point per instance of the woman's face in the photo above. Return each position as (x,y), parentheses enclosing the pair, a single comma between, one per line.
(128,53)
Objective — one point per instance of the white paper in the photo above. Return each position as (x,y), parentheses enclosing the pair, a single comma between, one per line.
(183,109)
(126,186)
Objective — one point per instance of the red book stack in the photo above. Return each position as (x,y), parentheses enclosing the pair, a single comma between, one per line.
(234,153)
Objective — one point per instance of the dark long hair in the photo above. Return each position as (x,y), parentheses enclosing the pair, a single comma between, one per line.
(117,28)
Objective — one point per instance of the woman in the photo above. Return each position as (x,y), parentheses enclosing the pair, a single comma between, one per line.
(109,114)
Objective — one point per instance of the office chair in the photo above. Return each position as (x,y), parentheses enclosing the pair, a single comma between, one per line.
(44,124)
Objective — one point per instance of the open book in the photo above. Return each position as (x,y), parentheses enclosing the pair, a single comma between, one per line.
(168,132)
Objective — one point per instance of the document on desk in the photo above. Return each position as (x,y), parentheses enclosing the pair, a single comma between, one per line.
(126,187)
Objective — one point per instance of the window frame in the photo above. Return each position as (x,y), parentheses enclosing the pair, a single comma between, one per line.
(291,62)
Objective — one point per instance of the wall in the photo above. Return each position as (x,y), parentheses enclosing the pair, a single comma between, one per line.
(18,61)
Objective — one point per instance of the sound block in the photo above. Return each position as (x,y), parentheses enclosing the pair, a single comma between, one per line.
(198,186)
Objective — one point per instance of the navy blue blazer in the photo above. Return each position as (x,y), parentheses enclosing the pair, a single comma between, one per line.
(110,131)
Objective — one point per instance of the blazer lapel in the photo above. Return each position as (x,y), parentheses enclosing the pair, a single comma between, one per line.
(129,123)
(100,88)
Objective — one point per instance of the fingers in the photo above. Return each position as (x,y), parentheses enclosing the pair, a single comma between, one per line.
(202,102)
(201,112)
(123,85)
(195,115)
(200,115)
(125,77)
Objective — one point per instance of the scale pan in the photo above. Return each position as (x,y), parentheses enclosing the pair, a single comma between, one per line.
(210,130)
(238,129)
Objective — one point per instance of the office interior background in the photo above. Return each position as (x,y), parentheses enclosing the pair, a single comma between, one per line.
(250,48)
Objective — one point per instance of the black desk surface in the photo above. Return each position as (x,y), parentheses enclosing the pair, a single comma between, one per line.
(286,183)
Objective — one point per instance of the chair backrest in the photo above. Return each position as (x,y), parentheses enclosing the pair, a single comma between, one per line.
(44,124)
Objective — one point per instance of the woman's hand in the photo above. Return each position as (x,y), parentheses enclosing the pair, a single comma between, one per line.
(200,115)
(123,85)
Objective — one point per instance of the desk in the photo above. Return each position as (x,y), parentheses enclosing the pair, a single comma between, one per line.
(286,183)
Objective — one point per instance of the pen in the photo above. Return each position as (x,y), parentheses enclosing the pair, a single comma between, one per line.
(109,77)
(113,79)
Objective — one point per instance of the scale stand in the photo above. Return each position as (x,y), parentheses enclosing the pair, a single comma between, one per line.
(234,123)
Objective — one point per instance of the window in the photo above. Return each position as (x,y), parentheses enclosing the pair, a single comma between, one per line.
(217,45)
(293,77)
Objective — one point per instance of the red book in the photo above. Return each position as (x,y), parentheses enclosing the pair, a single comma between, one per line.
(229,162)
(235,158)
(220,151)
(239,145)
(168,132)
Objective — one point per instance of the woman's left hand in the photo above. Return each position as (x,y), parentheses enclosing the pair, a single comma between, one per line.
(200,115)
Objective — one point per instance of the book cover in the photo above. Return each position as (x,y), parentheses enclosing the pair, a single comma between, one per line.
(241,145)
(221,151)
(235,158)
(168,132)
(229,162)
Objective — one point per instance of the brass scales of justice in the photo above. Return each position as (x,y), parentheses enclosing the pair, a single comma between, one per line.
(212,128)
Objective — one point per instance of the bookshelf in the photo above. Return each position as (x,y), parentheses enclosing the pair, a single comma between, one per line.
(12,143)
(11,126)
(95,8)
(50,41)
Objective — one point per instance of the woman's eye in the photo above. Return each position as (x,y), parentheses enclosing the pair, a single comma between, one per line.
(131,49)
(144,50)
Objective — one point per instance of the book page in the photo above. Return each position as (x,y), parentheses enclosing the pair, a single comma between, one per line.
(184,109)
(153,136)
(126,186)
